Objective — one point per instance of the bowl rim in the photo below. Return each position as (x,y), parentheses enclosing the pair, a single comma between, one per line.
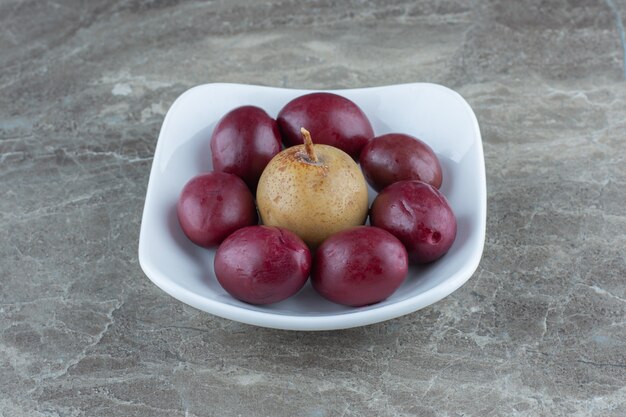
(373,314)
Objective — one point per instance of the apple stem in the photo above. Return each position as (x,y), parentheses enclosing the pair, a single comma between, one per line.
(308,144)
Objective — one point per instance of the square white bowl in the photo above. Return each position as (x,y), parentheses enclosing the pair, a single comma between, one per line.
(433,113)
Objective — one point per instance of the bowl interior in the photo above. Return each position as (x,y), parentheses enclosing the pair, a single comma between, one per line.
(433,113)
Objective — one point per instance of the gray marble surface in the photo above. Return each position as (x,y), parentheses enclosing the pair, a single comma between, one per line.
(539,330)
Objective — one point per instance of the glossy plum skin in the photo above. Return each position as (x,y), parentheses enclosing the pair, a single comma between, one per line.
(396,157)
(262,264)
(243,142)
(417,214)
(211,206)
(359,266)
(332,120)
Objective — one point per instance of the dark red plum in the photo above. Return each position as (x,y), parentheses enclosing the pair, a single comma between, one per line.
(396,157)
(262,264)
(213,205)
(332,120)
(243,142)
(417,214)
(359,266)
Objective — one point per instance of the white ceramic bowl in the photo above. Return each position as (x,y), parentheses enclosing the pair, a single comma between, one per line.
(435,114)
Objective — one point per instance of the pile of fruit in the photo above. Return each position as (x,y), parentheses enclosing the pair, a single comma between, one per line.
(312,196)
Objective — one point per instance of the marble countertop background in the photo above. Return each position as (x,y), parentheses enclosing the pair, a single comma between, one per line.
(539,330)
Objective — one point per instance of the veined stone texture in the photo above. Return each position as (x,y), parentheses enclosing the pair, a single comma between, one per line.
(539,330)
